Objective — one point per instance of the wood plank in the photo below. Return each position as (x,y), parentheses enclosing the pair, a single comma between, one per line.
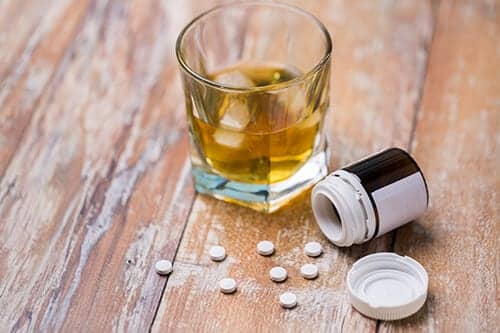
(379,65)
(33,42)
(99,187)
(22,23)
(457,144)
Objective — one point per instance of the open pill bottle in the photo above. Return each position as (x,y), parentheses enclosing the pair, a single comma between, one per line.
(370,197)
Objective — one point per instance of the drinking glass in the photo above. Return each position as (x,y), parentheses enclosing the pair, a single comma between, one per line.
(256,84)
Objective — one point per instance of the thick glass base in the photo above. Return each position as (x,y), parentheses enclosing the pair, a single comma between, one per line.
(261,197)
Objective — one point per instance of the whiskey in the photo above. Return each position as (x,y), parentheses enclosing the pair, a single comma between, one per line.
(256,86)
(260,134)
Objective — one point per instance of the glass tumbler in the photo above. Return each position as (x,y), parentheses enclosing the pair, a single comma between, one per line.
(256,84)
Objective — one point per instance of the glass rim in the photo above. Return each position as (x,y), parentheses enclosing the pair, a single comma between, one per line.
(301,78)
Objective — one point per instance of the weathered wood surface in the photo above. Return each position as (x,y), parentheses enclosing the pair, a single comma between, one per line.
(99,186)
(95,184)
(379,65)
(457,143)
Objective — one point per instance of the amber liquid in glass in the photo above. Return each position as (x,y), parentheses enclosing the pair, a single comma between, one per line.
(263,135)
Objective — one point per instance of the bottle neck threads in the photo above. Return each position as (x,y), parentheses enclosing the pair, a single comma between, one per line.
(343,210)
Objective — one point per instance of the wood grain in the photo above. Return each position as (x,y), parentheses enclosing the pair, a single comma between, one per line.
(95,181)
(376,81)
(99,186)
(457,144)
(34,41)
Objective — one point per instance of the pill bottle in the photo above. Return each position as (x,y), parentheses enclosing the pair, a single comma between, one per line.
(370,197)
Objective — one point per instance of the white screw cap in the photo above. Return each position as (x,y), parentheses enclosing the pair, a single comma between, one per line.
(387,286)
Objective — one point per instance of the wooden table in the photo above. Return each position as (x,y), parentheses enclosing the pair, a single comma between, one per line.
(95,181)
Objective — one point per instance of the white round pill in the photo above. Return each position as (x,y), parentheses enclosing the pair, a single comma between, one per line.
(288,300)
(227,285)
(217,253)
(313,249)
(163,267)
(309,271)
(278,274)
(265,248)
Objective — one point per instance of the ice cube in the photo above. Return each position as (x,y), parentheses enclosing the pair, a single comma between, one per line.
(228,138)
(235,79)
(236,114)
(311,120)
(297,104)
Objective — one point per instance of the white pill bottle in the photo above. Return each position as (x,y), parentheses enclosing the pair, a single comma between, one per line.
(370,197)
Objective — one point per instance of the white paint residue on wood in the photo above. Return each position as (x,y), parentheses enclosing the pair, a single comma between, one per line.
(117,194)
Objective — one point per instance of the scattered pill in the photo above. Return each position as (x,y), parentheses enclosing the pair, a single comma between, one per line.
(288,300)
(163,267)
(217,253)
(313,249)
(227,285)
(309,271)
(278,274)
(265,248)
